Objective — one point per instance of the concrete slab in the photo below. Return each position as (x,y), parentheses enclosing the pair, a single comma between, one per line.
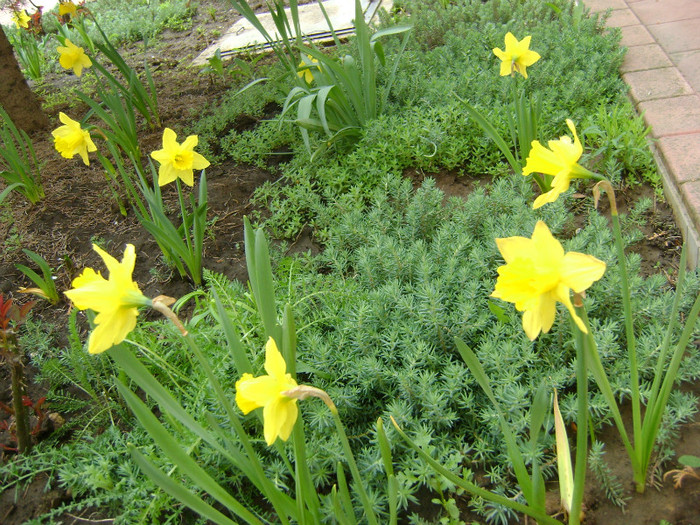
(635,35)
(677,36)
(597,6)
(640,58)
(653,84)
(682,156)
(655,12)
(688,63)
(672,116)
(242,36)
(622,18)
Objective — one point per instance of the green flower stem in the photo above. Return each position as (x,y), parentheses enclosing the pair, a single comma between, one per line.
(596,368)
(581,418)
(665,345)
(185,217)
(629,327)
(24,441)
(369,512)
(302,392)
(515,128)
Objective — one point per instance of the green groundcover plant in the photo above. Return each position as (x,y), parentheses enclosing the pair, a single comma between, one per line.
(386,315)
(376,317)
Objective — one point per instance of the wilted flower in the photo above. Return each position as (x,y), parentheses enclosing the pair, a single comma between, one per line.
(70,139)
(517,56)
(73,57)
(267,392)
(177,161)
(21,19)
(538,274)
(560,160)
(114,299)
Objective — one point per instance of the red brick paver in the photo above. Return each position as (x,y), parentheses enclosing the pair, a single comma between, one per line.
(662,69)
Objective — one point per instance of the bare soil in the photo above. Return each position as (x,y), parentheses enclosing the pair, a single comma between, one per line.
(79,210)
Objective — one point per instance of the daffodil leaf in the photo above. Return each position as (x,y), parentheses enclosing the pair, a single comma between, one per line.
(499,312)
(566,471)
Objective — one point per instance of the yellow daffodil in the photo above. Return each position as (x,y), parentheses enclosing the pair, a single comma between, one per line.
(517,56)
(21,19)
(67,8)
(115,299)
(279,411)
(70,139)
(73,57)
(560,160)
(177,161)
(306,74)
(538,274)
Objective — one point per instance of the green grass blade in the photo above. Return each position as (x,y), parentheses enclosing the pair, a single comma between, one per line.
(177,490)
(172,449)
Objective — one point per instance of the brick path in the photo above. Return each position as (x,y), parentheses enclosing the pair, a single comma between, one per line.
(662,68)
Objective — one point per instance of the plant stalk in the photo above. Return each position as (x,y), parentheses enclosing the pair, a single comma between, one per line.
(24,442)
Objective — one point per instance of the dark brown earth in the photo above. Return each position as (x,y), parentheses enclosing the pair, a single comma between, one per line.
(78,210)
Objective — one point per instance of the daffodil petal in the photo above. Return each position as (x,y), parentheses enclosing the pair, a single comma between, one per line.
(563,294)
(580,271)
(88,290)
(112,327)
(529,58)
(542,160)
(513,247)
(514,283)
(511,41)
(190,142)
(279,418)
(169,139)
(166,174)
(199,162)
(548,247)
(550,196)
(274,362)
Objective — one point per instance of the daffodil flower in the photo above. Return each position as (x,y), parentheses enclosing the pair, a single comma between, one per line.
(115,299)
(560,160)
(73,57)
(70,139)
(177,161)
(517,56)
(306,74)
(67,8)
(538,274)
(21,19)
(267,392)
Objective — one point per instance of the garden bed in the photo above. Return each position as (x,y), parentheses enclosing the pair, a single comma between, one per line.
(79,210)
